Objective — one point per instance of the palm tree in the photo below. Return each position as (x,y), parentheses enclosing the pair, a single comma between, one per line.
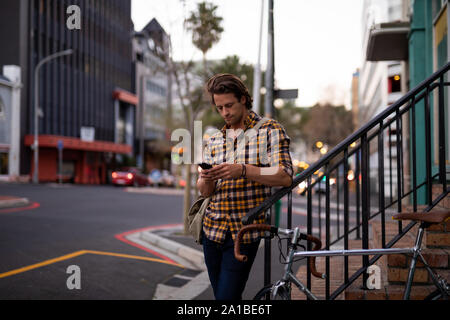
(206,28)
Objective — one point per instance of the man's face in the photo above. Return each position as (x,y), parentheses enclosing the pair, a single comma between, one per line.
(230,108)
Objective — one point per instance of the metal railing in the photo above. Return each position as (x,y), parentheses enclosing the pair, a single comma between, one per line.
(383,157)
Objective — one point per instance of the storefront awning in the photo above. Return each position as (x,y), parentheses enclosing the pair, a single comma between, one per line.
(125,96)
(388,41)
(51,141)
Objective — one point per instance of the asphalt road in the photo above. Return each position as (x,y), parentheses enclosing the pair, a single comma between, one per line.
(71,219)
(77,225)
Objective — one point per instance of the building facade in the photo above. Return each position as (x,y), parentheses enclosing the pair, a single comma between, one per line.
(152,83)
(88,91)
(428,51)
(412,47)
(10,86)
(382,78)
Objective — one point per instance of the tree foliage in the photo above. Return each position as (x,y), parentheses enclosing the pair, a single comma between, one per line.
(293,119)
(205,25)
(327,123)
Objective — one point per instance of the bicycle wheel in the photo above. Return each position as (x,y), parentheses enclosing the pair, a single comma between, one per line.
(436,295)
(282,293)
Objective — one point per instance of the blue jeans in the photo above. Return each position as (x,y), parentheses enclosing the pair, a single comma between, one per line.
(228,276)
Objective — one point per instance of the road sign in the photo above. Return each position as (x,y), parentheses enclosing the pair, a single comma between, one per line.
(87,134)
(60,145)
(286,94)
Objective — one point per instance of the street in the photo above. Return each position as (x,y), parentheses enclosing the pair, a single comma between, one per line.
(85,226)
(72,218)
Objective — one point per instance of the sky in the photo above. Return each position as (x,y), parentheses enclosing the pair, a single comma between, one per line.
(317,43)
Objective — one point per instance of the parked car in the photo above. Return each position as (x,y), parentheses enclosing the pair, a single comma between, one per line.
(129,176)
(155,177)
(321,186)
(167,179)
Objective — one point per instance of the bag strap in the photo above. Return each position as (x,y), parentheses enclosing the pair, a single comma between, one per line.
(257,126)
(260,123)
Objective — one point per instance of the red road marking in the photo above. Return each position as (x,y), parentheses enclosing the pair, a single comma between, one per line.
(34,205)
(122,237)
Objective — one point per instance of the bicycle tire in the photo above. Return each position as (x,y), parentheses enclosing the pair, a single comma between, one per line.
(435,295)
(282,293)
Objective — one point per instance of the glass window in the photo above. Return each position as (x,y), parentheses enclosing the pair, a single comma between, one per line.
(3,163)
(2,110)
(394,84)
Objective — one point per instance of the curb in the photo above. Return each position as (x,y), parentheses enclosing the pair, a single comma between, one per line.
(194,256)
(13,202)
(188,257)
(158,191)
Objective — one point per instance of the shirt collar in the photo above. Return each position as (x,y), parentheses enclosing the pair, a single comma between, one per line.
(249,122)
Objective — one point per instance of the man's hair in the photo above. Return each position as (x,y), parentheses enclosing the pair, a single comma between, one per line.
(228,83)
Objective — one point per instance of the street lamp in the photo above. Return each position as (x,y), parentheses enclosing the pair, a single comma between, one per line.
(36,106)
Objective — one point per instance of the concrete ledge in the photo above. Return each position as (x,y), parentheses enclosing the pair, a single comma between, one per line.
(194,256)
(12,202)
(153,190)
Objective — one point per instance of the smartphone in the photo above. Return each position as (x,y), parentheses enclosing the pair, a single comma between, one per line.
(205,166)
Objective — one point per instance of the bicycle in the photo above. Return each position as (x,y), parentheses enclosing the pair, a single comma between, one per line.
(282,288)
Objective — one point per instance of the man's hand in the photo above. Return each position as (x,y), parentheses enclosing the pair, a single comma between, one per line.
(222,171)
(205,176)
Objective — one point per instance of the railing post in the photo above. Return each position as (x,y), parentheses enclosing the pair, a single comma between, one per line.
(267,253)
(428,145)
(399,166)
(337,202)
(442,173)
(381,203)
(346,228)
(309,229)
(365,202)
(327,232)
(358,195)
(320,211)
(414,159)
(289,211)
(390,166)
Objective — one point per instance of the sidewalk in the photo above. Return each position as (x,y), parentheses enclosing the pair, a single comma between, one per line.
(181,248)
(7,202)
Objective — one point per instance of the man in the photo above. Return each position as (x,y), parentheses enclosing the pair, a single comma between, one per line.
(237,183)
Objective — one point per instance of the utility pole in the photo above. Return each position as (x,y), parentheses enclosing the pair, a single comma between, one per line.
(270,72)
(257,70)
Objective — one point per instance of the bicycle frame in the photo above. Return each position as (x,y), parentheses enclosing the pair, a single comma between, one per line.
(415,251)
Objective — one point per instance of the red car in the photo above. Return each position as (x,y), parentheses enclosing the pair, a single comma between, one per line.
(129,177)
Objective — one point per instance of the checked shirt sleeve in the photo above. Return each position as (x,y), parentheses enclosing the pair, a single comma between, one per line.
(278,148)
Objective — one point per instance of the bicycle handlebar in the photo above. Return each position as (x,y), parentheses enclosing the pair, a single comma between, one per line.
(274,230)
(260,227)
(312,260)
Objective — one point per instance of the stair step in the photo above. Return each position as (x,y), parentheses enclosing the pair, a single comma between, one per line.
(388,292)
(396,267)
(336,276)
(436,192)
(436,258)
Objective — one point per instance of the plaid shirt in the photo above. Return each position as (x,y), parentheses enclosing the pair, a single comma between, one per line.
(233,198)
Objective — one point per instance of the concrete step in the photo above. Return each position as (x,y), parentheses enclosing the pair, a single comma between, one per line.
(394,270)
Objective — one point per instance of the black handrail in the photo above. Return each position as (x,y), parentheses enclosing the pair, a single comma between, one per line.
(342,145)
(374,129)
